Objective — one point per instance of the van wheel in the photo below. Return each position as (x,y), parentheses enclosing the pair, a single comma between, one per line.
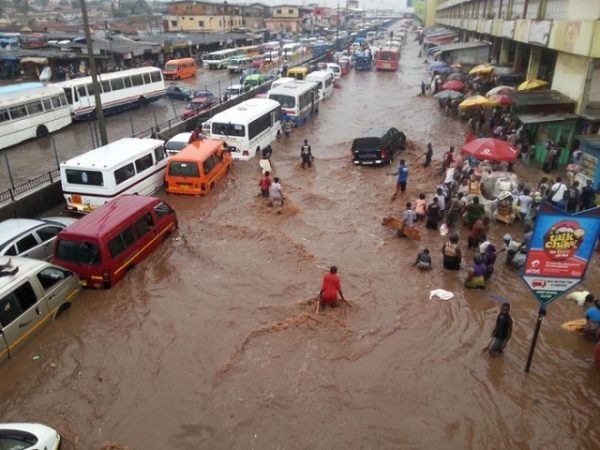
(42,131)
(142,102)
(62,309)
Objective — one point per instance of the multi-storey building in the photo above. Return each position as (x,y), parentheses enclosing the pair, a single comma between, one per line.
(285,18)
(198,16)
(556,40)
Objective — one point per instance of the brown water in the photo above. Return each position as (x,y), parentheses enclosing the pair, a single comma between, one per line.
(213,342)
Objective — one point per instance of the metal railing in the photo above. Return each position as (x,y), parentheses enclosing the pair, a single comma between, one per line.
(12,193)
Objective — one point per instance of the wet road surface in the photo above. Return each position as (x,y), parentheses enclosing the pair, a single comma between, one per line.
(213,342)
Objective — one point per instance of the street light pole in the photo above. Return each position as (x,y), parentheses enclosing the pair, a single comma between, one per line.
(337,25)
(94,73)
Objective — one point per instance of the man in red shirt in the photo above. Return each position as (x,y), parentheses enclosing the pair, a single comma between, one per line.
(265,184)
(331,286)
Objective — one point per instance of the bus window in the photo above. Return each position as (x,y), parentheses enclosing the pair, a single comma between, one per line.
(124,173)
(16,112)
(127,81)
(88,177)
(137,80)
(47,104)
(156,76)
(147,79)
(34,107)
(228,129)
(68,93)
(4,117)
(144,163)
(159,154)
(106,86)
(81,91)
(117,84)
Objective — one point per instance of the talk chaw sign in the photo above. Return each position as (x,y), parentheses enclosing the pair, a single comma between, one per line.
(560,250)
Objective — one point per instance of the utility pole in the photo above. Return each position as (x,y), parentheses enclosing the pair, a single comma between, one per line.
(337,27)
(94,73)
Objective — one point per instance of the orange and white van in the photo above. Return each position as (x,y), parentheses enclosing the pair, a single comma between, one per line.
(196,169)
(178,69)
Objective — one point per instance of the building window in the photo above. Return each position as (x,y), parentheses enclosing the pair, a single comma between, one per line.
(533,9)
(290,11)
(201,23)
(517,9)
(190,18)
(173,23)
(556,9)
(278,11)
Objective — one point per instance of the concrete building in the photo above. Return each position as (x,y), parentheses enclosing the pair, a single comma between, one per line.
(284,18)
(198,16)
(555,40)
(426,11)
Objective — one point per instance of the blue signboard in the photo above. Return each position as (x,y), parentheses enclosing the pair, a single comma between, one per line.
(560,249)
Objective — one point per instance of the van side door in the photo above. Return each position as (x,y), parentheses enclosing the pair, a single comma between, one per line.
(29,245)
(22,311)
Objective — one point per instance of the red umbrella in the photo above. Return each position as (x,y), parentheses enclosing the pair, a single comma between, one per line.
(490,149)
(502,99)
(455,85)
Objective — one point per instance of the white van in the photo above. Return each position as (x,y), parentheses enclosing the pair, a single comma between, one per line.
(324,80)
(281,81)
(239,63)
(126,166)
(31,293)
(336,70)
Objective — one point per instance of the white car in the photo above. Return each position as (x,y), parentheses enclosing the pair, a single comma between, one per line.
(235,90)
(177,143)
(28,436)
(336,70)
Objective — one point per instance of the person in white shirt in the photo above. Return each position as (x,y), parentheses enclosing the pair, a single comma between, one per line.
(557,192)
(524,203)
(275,193)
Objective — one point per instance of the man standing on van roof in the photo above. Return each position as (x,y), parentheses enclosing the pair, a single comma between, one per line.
(306,155)
(330,288)
(402,179)
(195,136)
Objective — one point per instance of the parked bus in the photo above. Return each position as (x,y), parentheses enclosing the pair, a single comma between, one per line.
(178,69)
(126,166)
(324,80)
(219,59)
(104,245)
(31,110)
(239,63)
(120,91)
(299,100)
(196,168)
(386,60)
(249,126)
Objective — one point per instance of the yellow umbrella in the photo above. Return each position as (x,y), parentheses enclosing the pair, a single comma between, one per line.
(456,66)
(482,69)
(477,100)
(529,85)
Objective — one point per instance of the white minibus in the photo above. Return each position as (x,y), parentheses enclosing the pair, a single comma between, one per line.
(249,126)
(219,59)
(299,100)
(324,80)
(126,166)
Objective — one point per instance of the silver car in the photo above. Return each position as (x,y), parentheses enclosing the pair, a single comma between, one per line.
(31,237)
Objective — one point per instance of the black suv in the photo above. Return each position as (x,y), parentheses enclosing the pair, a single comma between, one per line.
(377,145)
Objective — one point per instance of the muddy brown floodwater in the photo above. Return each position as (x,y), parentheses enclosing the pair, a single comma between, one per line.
(213,342)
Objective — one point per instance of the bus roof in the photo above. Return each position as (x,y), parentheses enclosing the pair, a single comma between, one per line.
(113,154)
(246,111)
(103,219)
(197,150)
(296,87)
(224,52)
(319,75)
(108,76)
(16,88)
(175,61)
(27,95)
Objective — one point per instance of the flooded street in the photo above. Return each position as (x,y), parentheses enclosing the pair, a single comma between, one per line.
(213,341)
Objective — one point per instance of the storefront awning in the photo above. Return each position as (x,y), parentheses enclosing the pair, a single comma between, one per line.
(593,140)
(530,119)
(34,59)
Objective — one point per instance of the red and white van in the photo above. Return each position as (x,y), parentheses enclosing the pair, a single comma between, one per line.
(102,246)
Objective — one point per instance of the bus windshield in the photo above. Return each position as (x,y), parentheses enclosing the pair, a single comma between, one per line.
(85,177)
(184,169)
(228,129)
(285,101)
(78,252)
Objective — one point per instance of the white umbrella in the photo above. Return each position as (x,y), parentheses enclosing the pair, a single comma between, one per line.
(499,90)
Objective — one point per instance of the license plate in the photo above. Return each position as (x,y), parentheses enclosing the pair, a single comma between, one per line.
(185,186)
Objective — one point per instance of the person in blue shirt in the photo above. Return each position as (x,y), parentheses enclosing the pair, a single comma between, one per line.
(591,330)
(402,179)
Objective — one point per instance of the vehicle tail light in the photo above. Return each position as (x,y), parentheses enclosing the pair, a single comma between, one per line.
(383,153)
